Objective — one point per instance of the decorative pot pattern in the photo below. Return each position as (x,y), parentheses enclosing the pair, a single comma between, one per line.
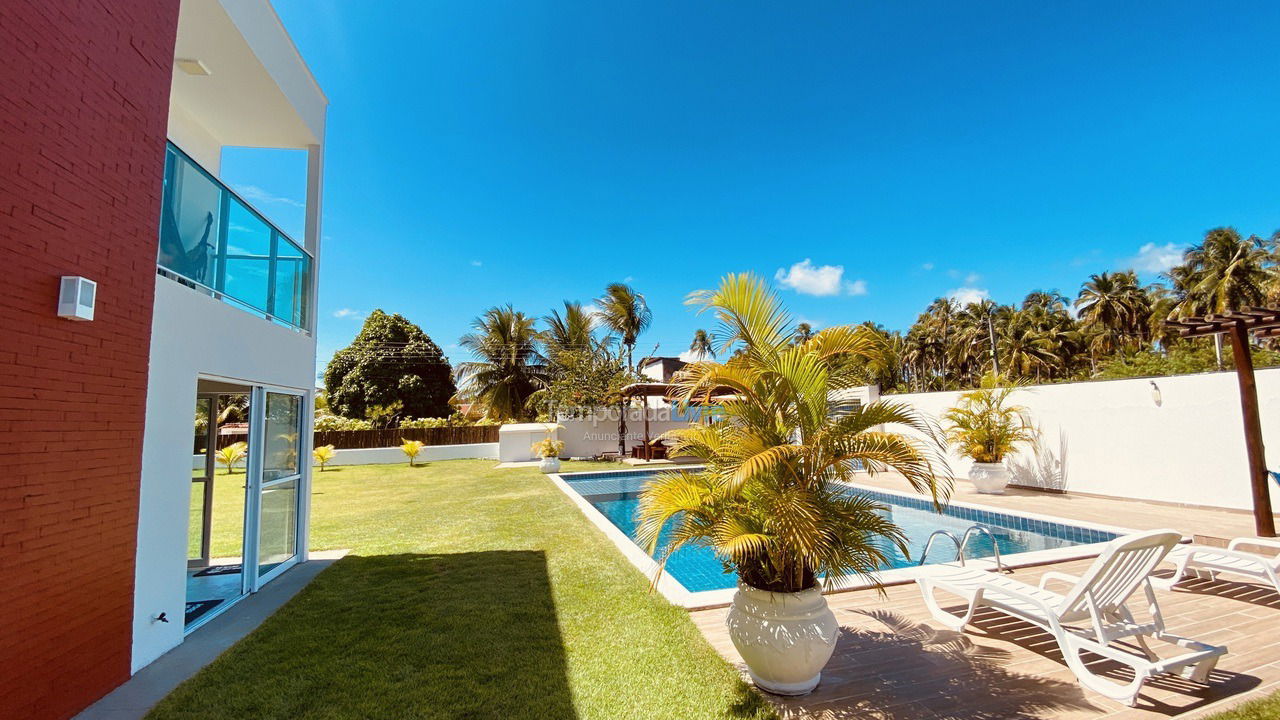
(990,478)
(785,638)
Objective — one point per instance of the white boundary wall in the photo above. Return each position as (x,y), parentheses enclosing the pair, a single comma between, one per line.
(1173,439)
(391,455)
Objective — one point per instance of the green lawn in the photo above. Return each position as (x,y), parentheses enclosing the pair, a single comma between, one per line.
(228,515)
(1265,709)
(469,593)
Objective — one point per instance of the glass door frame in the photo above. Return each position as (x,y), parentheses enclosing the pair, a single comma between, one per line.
(255,466)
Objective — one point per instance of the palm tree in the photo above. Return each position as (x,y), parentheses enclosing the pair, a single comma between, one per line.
(572,331)
(624,311)
(767,501)
(804,331)
(701,345)
(509,368)
(1113,309)
(1224,272)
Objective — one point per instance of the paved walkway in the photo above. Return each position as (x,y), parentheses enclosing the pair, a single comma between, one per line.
(893,661)
(1204,523)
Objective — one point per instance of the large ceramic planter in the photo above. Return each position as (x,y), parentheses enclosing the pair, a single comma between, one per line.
(549,465)
(990,478)
(785,638)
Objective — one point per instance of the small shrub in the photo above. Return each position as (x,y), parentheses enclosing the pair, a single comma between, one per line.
(323,455)
(414,423)
(334,422)
(411,448)
(231,454)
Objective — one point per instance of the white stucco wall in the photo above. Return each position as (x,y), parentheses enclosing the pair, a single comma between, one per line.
(588,437)
(192,335)
(1113,438)
(430,453)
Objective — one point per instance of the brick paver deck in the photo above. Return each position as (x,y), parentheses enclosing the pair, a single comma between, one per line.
(893,661)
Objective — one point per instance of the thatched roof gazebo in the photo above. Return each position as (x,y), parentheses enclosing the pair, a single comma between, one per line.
(1238,325)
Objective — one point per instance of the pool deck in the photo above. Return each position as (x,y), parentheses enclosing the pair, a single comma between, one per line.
(894,661)
(1207,525)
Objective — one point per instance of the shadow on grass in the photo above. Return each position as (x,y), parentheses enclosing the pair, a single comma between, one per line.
(470,635)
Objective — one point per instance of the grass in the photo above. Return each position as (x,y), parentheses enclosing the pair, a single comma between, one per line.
(228,514)
(469,593)
(1267,708)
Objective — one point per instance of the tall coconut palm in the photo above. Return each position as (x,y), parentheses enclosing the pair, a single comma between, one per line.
(804,331)
(1113,308)
(1224,272)
(701,345)
(767,501)
(571,331)
(508,369)
(625,312)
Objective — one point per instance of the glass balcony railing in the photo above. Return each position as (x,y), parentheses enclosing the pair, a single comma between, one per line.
(214,241)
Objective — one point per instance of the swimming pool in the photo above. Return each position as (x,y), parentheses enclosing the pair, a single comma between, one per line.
(616,496)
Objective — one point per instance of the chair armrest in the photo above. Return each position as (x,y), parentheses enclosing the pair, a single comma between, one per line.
(1055,575)
(1272,543)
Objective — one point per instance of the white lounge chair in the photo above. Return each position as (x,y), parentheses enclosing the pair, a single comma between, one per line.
(1233,561)
(1091,617)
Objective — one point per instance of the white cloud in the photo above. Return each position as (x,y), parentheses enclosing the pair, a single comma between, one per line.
(972,279)
(253,193)
(1152,258)
(822,280)
(476,263)
(349,313)
(967,295)
(692,356)
(927,266)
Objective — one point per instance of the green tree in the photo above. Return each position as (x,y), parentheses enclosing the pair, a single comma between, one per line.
(625,312)
(1224,272)
(508,368)
(390,361)
(701,345)
(585,380)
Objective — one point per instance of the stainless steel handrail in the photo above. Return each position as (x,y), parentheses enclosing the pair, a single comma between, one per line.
(994,545)
(929,543)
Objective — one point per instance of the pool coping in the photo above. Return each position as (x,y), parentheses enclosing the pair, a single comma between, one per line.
(678,594)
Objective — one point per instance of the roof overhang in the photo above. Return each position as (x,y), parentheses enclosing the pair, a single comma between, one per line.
(258,91)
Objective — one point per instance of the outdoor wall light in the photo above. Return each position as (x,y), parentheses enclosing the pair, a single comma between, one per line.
(1155,394)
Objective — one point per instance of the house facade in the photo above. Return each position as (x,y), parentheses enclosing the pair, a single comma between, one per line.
(119,533)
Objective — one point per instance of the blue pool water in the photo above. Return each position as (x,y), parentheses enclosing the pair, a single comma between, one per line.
(616,496)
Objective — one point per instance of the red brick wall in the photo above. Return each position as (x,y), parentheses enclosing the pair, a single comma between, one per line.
(84,92)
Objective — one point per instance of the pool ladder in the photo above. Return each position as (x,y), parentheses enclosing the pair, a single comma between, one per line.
(961,542)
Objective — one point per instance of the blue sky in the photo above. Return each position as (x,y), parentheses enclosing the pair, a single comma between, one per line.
(877,155)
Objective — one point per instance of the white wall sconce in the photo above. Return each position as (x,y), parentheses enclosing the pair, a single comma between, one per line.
(76,297)
(1156,397)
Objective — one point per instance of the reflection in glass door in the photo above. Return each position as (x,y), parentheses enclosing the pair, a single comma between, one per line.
(281,476)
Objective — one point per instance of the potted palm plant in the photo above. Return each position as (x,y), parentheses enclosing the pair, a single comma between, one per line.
(768,500)
(986,429)
(549,449)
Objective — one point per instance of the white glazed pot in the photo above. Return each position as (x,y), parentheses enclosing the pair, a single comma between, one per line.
(549,465)
(785,638)
(989,478)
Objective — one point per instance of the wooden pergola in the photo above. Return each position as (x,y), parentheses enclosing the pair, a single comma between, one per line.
(646,391)
(657,389)
(1238,325)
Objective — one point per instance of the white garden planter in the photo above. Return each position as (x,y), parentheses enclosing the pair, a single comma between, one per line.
(549,465)
(990,478)
(785,638)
